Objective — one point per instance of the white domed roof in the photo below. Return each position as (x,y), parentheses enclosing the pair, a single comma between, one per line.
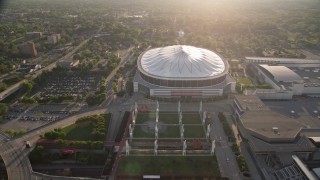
(182,61)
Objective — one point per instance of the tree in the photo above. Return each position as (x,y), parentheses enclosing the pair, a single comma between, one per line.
(3,86)
(3,109)
(38,155)
(27,87)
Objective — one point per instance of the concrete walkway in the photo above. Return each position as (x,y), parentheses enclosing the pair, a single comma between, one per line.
(226,159)
(252,168)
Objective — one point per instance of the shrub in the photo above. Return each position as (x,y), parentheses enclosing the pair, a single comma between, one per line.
(242,163)
(55,134)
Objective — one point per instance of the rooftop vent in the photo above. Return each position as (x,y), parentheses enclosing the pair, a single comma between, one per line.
(276,130)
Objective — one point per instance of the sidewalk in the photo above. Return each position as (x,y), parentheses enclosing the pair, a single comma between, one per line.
(226,159)
(252,168)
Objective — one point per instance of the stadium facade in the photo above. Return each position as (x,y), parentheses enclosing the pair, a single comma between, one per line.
(182,71)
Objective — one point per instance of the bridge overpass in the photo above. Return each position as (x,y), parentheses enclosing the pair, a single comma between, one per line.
(11,90)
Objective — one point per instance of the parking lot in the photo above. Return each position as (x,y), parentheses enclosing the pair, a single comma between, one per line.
(71,85)
(304,110)
(27,117)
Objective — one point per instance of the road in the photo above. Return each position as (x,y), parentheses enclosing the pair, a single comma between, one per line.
(17,85)
(123,61)
(15,155)
(16,160)
(11,90)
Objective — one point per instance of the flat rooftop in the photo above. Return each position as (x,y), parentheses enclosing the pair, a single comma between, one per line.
(301,144)
(271,126)
(275,127)
(250,103)
(284,60)
(310,76)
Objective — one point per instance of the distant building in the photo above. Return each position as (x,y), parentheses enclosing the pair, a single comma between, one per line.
(34,34)
(287,76)
(29,49)
(54,38)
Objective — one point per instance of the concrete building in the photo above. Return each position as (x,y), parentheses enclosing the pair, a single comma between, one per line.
(267,130)
(288,77)
(272,136)
(54,38)
(182,72)
(34,35)
(29,49)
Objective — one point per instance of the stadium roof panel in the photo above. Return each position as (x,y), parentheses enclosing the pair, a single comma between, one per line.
(181,61)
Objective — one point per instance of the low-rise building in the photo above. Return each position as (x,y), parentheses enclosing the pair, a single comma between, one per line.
(272,138)
(34,34)
(267,130)
(288,77)
(54,38)
(29,49)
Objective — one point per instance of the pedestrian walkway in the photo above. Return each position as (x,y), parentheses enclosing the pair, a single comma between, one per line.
(252,167)
(226,159)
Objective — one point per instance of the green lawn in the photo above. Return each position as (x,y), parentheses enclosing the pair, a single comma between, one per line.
(192,122)
(80,131)
(179,165)
(194,131)
(191,118)
(139,133)
(169,118)
(143,117)
(244,81)
(172,131)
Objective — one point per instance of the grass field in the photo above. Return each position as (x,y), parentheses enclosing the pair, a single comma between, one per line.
(139,133)
(191,118)
(194,131)
(138,165)
(169,118)
(80,131)
(191,121)
(83,131)
(244,81)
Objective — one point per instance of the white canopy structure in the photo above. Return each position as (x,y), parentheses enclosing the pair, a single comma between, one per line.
(182,62)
